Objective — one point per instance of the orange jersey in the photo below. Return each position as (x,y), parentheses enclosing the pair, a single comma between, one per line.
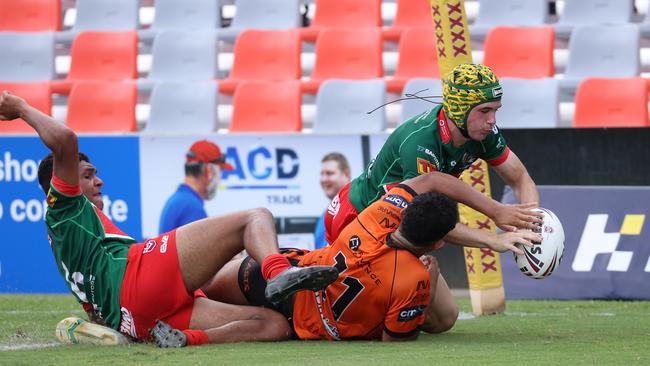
(379,288)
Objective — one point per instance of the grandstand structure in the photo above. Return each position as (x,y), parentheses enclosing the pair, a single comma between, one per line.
(553,57)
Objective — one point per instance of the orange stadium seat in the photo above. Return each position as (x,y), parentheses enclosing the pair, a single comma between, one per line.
(271,55)
(260,106)
(37,94)
(102,106)
(346,54)
(520,52)
(107,56)
(343,13)
(619,102)
(410,13)
(418,58)
(30,15)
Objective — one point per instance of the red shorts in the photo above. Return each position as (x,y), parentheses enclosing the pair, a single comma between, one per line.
(339,214)
(153,289)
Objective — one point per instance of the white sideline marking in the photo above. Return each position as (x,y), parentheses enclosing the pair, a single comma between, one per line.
(524,314)
(16,347)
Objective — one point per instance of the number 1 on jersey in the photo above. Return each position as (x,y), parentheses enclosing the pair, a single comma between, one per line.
(354,288)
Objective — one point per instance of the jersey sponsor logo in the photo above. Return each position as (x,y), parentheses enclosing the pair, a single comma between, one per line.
(430,153)
(51,199)
(385,222)
(445,135)
(396,200)
(127,324)
(422,285)
(149,246)
(354,242)
(330,327)
(388,212)
(410,313)
(334,206)
(425,166)
(163,244)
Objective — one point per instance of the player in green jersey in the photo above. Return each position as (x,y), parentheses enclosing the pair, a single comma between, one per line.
(429,142)
(138,287)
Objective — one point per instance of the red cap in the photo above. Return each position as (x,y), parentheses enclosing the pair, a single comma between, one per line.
(205,151)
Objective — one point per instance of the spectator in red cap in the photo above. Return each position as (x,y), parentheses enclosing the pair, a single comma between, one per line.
(203,165)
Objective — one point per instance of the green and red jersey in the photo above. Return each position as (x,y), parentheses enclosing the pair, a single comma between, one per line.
(421,145)
(90,251)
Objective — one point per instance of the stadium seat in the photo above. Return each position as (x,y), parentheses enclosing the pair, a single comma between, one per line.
(427,88)
(342,106)
(529,103)
(182,15)
(520,52)
(102,15)
(418,57)
(612,103)
(515,13)
(272,55)
(613,53)
(260,106)
(102,106)
(593,12)
(108,56)
(346,54)
(343,14)
(262,14)
(30,15)
(26,56)
(410,13)
(37,94)
(182,56)
(183,108)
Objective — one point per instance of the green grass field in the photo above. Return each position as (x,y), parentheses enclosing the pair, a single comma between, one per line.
(529,333)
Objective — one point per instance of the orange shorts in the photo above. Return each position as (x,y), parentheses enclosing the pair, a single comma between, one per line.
(153,288)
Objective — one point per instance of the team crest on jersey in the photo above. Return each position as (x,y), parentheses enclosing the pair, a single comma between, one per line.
(354,242)
(425,166)
(410,313)
(51,199)
(149,246)
(468,159)
(396,200)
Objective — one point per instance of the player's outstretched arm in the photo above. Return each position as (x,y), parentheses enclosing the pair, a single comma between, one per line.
(507,217)
(514,173)
(469,237)
(56,136)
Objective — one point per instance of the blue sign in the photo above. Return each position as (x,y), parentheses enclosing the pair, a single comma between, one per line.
(607,246)
(26,261)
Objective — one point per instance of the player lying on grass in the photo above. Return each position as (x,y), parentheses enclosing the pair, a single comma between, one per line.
(129,286)
(448,139)
(383,290)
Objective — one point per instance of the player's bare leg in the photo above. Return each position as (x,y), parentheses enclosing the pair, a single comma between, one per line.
(207,245)
(225,323)
(224,286)
(442,312)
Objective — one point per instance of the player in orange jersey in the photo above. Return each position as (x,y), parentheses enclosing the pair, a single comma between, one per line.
(383,290)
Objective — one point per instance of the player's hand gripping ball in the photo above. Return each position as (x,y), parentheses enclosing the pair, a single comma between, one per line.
(540,260)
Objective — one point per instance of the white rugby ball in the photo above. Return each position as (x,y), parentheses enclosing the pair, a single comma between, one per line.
(540,260)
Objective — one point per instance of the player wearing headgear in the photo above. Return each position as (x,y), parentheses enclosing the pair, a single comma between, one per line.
(448,139)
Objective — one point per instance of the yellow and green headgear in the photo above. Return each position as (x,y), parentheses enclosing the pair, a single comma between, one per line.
(467,86)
